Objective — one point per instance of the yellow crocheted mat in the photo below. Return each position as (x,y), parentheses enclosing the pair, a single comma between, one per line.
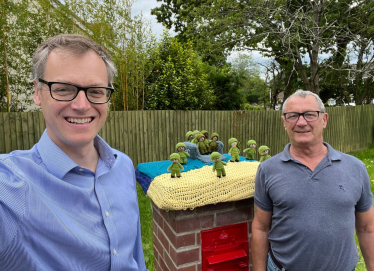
(200,187)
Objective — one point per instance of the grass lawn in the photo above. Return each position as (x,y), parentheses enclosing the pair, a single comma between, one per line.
(368,158)
(146,213)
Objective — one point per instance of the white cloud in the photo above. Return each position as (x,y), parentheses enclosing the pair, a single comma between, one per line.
(144,7)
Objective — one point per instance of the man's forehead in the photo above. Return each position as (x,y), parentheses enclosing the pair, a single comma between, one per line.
(296,101)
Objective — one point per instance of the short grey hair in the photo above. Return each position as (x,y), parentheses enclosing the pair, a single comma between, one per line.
(304,93)
(75,44)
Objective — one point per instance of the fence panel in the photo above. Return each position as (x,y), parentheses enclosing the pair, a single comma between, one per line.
(152,135)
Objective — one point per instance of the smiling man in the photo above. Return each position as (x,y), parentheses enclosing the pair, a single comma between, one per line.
(70,202)
(310,198)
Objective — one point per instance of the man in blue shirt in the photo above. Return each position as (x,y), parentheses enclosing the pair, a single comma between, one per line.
(70,202)
(310,198)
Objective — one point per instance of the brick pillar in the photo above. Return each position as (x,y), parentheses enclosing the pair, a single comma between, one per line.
(176,234)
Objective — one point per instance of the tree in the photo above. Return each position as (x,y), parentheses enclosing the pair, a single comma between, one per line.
(294,32)
(178,80)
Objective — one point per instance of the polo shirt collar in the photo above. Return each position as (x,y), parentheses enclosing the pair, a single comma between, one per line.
(59,163)
(332,154)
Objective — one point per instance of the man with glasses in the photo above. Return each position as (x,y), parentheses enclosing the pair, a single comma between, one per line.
(310,198)
(70,202)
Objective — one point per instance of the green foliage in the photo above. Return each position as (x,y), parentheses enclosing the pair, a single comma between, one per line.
(178,80)
(25,24)
(249,107)
(293,33)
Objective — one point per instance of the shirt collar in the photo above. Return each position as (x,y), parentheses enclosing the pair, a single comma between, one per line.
(59,163)
(332,154)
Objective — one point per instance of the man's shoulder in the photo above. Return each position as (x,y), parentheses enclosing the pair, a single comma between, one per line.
(344,157)
(19,158)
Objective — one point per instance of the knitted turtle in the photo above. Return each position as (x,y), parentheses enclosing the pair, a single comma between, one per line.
(234,151)
(218,164)
(264,152)
(181,147)
(175,167)
(213,143)
(251,151)
(195,134)
(189,136)
(201,145)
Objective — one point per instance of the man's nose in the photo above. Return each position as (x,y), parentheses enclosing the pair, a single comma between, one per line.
(301,121)
(80,102)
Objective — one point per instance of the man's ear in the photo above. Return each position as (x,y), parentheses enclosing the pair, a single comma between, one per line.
(37,97)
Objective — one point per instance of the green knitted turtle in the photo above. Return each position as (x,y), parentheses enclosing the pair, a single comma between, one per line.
(201,145)
(251,151)
(218,164)
(175,167)
(181,147)
(213,143)
(234,151)
(264,152)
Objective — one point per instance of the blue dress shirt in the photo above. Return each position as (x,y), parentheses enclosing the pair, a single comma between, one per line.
(56,215)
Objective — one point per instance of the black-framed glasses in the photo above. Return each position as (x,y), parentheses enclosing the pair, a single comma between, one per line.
(67,92)
(309,116)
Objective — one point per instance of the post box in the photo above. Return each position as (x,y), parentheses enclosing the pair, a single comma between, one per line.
(225,248)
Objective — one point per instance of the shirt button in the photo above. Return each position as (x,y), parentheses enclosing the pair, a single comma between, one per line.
(114,252)
(106,213)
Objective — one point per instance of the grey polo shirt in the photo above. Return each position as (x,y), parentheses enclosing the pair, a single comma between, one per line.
(313,211)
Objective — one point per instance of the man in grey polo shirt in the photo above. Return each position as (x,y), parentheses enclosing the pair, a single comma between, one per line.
(310,198)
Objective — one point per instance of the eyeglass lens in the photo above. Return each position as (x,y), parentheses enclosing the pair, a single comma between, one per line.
(65,92)
(308,116)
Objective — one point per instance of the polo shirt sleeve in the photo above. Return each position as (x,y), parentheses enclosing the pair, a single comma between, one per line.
(366,200)
(12,205)
(261,197)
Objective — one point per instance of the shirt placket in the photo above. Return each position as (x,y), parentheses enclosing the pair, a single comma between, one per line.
(109,222)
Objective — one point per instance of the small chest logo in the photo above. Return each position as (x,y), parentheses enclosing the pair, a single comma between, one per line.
(341,187)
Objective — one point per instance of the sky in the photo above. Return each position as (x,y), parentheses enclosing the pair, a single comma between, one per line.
(145,7)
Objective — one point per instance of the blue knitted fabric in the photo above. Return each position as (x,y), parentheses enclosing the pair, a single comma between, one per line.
(146,172)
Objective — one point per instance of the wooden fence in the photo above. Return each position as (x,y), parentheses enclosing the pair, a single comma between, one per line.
(152,135)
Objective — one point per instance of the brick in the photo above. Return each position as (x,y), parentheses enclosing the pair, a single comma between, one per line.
(214,207)
(154,226)
(170,263)
(168,218)
(185,240)
(198,267)
(187,268)
(182,213)
(185,256)
(157,245)
(198,238)
(234,216)
(163,265)
(157,266)
(158,219)
(155,254)
(164,241)
(206,221)
(193,223)
(244,203)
